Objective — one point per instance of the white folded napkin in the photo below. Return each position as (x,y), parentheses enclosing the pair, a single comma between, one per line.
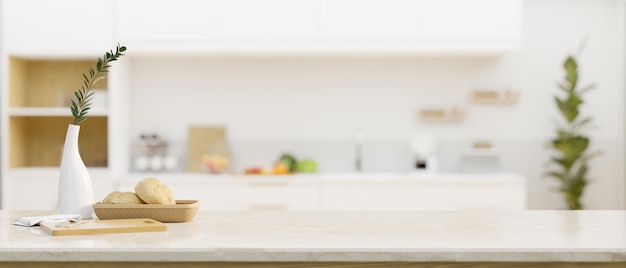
(32,221)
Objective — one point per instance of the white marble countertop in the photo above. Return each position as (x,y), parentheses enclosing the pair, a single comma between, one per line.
(523,236)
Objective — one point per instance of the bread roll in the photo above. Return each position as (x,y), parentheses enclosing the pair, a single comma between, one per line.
(152,191)
(122,198)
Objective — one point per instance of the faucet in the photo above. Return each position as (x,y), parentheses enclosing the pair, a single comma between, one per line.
(359,140)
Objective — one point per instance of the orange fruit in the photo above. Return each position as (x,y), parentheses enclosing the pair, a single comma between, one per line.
(281,168)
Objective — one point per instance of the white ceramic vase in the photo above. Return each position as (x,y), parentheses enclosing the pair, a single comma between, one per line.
(75,189)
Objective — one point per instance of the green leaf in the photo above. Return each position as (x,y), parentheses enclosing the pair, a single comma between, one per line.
(571,148)
(574,100)
(560,162)
(567,110)
(558,175)
(84,96)
(95,81)
(571,69)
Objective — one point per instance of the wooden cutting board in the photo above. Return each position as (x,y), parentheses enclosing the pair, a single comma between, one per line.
(205,140)
(106,227)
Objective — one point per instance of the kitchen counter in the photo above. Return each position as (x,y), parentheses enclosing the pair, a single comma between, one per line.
(330,237)
(297,192)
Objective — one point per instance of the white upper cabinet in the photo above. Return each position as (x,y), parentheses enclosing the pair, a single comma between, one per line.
(60,27)
(267,19)
(88,27)
(369,19)
(471,20)
(166,20)
(345,26)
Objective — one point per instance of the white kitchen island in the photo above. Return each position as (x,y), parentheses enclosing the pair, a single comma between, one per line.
(337,239)
(299,192)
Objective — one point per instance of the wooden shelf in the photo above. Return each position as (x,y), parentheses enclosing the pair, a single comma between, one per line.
(38,141)
(53,111)
(46,83)
(441,115)
(495,96)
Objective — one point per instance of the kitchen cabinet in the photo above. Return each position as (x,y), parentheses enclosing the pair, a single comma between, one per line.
(165,20)
(476,20)
(59,28)
(266,20)
(319,26)
(369,20)
(35,189)
(488,191)
(239,193)
(35,118)
(424,194)
(47,46)
(220,21)
(39,91)
(392,195)
(343,192)
(213,24)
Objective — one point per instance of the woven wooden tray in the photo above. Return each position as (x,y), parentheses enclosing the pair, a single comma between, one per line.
(183,211)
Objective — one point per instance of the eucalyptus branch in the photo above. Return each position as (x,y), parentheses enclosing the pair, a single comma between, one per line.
(82,104)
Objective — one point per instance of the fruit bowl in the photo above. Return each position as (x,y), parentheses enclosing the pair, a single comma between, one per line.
(183,211)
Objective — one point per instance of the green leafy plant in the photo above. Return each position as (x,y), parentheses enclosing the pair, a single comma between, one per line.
(570,165)
(82,104)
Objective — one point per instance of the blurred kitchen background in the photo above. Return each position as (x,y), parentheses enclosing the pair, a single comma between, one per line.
(416,100)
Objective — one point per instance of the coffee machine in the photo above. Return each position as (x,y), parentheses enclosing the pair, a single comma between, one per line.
(422,154)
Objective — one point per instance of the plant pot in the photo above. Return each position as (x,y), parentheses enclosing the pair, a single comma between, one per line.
(75,190)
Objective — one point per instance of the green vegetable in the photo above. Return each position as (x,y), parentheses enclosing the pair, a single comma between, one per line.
(290,161)
(307,166)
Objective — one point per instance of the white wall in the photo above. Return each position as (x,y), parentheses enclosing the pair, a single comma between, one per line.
(312,106)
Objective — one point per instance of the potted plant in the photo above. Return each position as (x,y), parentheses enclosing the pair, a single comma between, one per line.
(570,162)
(75,193)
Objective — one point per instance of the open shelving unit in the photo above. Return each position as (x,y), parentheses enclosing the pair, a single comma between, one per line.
(39,94)
(52,111)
